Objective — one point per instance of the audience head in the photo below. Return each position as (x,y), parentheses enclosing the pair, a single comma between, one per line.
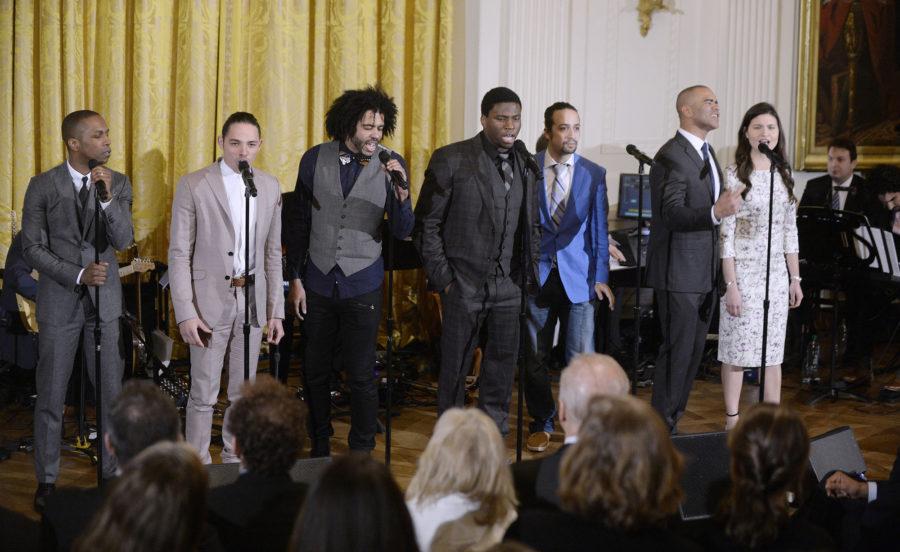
(761,123)
(624,470)
(355,506)
(769,454)
(466,455)
(841,159)
(885,181)
(501,117)
(586,376)
(268,426)
(698,110)
(157,505)
(141,416)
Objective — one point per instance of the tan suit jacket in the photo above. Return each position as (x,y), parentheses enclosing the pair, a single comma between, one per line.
(201,244)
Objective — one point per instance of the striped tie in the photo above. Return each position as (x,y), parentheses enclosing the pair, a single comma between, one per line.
(835,200)
(558,195)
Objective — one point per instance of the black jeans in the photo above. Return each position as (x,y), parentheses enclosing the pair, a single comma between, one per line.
(350,326)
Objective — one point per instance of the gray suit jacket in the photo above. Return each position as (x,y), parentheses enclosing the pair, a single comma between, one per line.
(454,218)
(684,242)
(201,238)
(58,249)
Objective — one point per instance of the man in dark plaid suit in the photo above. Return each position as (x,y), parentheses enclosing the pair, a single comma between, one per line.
(477,230)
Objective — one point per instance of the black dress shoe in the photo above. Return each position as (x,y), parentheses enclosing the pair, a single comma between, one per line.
(40,495)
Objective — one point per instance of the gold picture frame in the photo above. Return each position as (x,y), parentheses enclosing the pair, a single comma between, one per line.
(821,118)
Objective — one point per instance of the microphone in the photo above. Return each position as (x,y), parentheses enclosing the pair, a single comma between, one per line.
(530,162)
(247,175)
(767,151)
(100,184)
(396,176)
(632,150)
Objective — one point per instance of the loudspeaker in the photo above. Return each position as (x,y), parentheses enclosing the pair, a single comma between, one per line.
(705,480)
(835,450)
(305,470)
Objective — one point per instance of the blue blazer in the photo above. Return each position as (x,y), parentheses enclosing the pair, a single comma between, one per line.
(581,242)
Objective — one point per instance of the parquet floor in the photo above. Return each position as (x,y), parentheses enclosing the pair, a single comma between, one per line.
(876,427)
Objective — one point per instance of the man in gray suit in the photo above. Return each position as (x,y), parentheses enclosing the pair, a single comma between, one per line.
(683,259)
(210,275)
(58,240)
(476,208)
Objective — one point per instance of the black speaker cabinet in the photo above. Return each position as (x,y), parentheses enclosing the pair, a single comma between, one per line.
(705,480)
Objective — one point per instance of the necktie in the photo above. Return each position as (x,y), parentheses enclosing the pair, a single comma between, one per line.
(835,199)
(708,169)
(506,170)
(83,192)
(558,194)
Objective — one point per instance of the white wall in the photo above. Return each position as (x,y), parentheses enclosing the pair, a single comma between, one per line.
(591,53)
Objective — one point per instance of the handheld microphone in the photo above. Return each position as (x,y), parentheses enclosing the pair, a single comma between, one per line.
(396,176)
(100,184)
(530,162)
(247,175)
(767,151)
(632,150)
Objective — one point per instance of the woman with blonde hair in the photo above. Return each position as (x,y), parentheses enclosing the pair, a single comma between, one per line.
(619,482)
(157,505)
(462,495)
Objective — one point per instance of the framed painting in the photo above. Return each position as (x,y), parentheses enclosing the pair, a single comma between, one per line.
(849,80)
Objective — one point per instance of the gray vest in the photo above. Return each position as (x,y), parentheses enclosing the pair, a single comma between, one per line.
(506,220)
(346,231)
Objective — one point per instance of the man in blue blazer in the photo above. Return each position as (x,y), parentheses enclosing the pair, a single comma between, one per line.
(574,261)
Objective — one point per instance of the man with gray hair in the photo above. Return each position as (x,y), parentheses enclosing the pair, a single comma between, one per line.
(141,416)
(587,375)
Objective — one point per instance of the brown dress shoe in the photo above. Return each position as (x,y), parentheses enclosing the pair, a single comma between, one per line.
(538,441)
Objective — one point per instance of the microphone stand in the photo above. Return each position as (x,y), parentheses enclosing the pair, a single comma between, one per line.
(249,191)
(765,325)
(525,264)
(638,280)
(98,334)
(389,326)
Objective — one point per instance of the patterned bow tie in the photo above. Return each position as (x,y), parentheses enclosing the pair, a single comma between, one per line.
(346,157)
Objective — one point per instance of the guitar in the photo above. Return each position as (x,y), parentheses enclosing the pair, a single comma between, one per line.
(28,312)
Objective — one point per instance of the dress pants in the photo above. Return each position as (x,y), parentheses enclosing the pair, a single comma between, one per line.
(349,326)
(551,305)
(225,348)
(684,319)
(496,305)
(57,345)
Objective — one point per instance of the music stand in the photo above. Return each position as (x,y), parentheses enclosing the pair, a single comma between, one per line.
(831,252)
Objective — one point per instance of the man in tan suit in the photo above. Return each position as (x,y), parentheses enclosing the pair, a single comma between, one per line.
(209,275)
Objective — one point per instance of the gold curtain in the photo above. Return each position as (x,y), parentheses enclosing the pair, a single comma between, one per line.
(166,73)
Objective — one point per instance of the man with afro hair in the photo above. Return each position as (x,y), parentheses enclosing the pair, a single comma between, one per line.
(334,257)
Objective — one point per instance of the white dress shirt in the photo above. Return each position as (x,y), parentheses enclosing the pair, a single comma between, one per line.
(234,189)
(698,142)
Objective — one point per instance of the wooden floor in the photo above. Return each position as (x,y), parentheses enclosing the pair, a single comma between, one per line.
(876,427)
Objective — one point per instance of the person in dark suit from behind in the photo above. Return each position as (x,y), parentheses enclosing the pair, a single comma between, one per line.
(258,510)
(156,505)
(769,456)
(355,506)
(618,485)
(875,524)
(683,256)
(477,229)
(141,416)
(587,376)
